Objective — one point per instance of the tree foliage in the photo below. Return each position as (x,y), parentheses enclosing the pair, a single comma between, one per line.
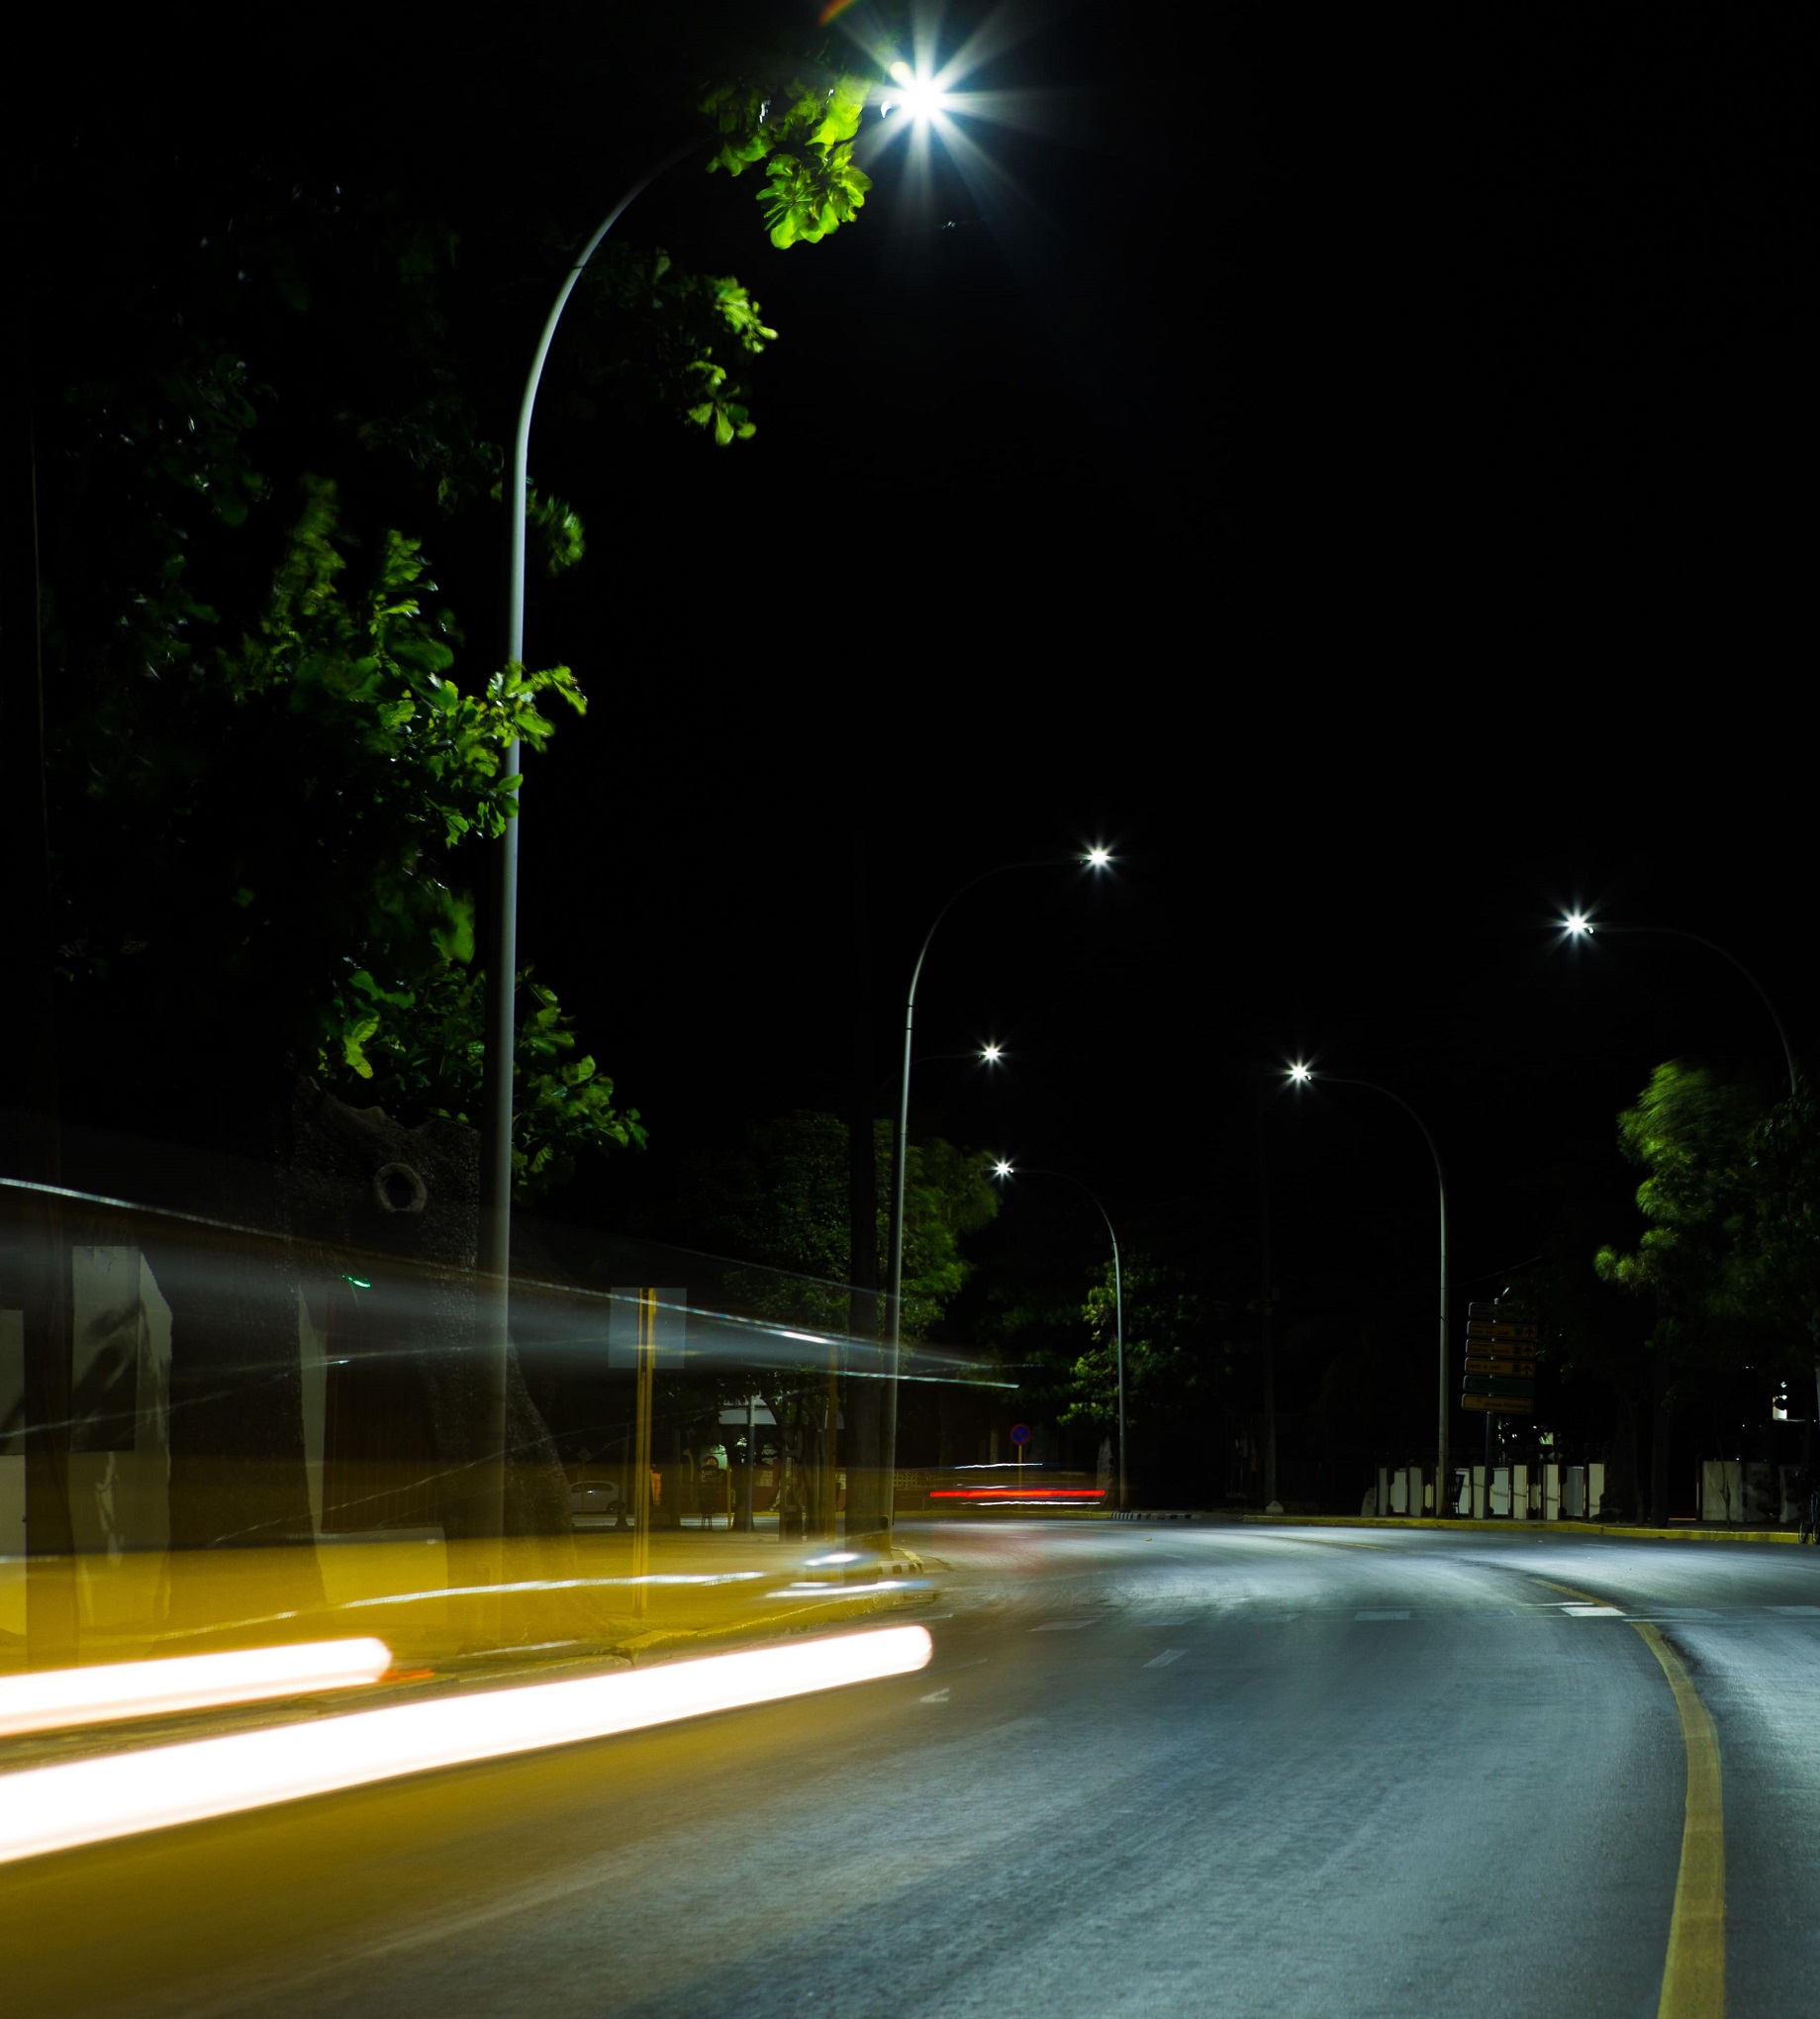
(270,746)
(780,1199)
(1696,1134)
(804,135)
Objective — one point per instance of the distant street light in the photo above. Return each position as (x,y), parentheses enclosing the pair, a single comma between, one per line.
(1003,1169)
(1094,858)
(1577,926)
(1302,1075)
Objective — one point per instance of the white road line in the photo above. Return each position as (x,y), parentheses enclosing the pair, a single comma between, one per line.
(1062,1625)
(1163,1660)
(1795,1611)
(1380,1616)
(935,1697)
(1592,1612)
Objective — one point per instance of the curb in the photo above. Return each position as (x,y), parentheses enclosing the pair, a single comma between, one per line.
(662,1644)
(1506,1526)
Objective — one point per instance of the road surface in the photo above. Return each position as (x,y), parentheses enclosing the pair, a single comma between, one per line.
(1150,1769)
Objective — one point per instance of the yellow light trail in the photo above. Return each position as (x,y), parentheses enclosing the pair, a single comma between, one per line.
(121,1794)
(59,1697)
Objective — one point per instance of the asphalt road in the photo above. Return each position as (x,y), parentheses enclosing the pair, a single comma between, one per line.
(1150,1771)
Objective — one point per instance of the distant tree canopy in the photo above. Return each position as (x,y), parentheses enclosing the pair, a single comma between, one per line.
(780,1199)
(1727,1258)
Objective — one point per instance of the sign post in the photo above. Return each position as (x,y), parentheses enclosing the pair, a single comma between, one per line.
(1020,1436)
(654,1318)
(1500,1373)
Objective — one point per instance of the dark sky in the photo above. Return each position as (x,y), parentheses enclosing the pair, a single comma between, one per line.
(1352,466)
(1352,478)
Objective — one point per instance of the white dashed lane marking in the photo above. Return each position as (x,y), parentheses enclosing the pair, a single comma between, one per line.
(1380,1616)
(1163,1660)
(1062,1626)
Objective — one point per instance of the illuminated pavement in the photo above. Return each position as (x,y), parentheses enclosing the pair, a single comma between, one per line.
(1171,1770)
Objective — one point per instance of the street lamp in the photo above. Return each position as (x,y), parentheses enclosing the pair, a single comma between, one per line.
(1578,925)
(1095,858)
(502,967)
(925,99)
(1003,1169)
(1300,1075)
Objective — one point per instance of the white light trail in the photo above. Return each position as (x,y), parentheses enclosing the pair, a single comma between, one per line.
(121,1795)
(56,1697)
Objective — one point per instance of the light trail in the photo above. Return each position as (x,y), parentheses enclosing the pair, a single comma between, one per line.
(122,1794)
(1023,1496)
(58,1697)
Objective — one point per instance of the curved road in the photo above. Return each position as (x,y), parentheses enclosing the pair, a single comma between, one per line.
(1180,1768)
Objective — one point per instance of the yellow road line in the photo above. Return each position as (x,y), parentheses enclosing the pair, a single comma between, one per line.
(1693,1973)
(1693,1977)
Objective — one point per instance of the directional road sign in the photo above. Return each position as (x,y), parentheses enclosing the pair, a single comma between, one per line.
(1498,1405)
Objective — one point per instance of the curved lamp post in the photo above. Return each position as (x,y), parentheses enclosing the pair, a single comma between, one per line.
(1577,926)
(503,952)
(1003,1169)
(1303,1076)
(1095,858)
(925,100)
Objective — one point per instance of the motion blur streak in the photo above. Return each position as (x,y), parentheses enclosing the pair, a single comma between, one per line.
(87,1801)
(77,1696)
(1026,1496)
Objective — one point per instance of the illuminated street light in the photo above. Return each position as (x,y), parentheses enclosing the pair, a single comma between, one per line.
(1300,1075)
(1096,858)
(924,98)
(917,97)
(1577,926)
(1002,1170)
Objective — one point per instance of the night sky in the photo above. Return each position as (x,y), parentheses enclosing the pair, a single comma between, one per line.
(1348,476)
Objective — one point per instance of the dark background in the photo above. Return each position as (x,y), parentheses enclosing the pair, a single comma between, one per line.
(1352,469)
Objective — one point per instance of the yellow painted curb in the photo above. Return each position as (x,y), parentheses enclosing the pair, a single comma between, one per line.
(1694,1975)
(1508,1527)
(1694,1970)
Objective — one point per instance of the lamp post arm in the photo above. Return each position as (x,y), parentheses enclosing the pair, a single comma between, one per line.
(899,1161)
(900,1144)
(496,1112)
(1713,946)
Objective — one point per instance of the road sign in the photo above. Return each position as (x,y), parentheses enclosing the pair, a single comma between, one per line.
(1020,1433)
(1498,1385)
(1500,1366)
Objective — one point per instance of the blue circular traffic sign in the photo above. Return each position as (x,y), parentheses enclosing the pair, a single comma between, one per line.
(1020,1433)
